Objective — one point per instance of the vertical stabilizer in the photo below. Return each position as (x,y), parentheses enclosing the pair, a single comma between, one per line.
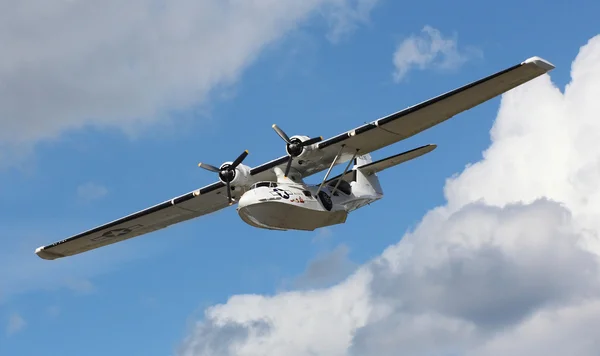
(366,183)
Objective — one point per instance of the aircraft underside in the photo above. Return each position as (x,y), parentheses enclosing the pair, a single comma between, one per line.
(290,208)
(278,215)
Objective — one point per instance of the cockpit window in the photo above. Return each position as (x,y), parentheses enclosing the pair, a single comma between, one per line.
(264,184)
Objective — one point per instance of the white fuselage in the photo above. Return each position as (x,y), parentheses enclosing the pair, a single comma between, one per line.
(294,206)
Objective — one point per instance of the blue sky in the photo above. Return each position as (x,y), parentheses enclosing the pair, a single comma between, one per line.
(143,295)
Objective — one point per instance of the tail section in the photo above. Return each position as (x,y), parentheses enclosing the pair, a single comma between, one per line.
(366,170)
(363,176)
(366,182)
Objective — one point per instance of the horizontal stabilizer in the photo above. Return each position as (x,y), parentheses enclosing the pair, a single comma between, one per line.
(378,166)
(391,161)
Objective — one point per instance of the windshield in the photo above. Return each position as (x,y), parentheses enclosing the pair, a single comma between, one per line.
(264,184)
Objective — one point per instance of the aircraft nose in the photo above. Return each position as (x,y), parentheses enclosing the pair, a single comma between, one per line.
(245,199)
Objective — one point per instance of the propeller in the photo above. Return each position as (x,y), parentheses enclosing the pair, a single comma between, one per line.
(226,172)
(294,146)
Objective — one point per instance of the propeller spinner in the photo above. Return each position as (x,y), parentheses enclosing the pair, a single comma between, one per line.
(226,172)
(294,146)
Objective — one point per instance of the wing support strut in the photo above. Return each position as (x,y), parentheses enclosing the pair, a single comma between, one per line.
(337,156)
(344,173)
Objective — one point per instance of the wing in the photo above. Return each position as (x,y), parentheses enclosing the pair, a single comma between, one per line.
(408,122)
(188,206)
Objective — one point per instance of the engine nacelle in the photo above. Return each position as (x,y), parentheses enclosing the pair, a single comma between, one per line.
(241,174)
(297,150)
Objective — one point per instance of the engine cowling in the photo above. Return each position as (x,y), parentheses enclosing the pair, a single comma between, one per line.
(240,176)
(295,148)
(231,173)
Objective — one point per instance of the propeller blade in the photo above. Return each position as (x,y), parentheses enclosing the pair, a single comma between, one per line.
(227,173)
(209,167)
(239,159)
(312,141)
(281,133)
(288,166)
(229,192)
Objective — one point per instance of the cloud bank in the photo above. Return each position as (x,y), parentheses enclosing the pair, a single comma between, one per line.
(430,49)
(113,64)
(125,65)
(510,265)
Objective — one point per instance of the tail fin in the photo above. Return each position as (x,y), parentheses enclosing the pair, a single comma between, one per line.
(366,182)
(364,173)
(362,160)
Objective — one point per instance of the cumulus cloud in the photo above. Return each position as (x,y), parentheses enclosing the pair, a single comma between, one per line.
(222,339)
(510,265)
(16,323)
(562,331)
(461,278)
(316,322)
(345,19)
(430,49)
(73,64)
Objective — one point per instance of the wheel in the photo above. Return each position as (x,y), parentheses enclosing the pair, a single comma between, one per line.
(326,200)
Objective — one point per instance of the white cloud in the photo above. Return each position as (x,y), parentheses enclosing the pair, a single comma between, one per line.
(565,330)
(16,323)
(459,279)
(113,64)
(429,49)
(345,19)
(509,266)
(292,323)
(72,64)
(91,191)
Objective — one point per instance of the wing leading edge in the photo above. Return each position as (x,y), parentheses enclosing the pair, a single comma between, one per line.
(188,206)
(412,120)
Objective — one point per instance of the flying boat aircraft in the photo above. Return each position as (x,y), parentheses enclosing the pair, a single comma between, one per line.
(274,195)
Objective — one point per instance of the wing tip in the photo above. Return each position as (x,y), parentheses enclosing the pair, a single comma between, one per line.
(427,148)
(539,62)
(46,255)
